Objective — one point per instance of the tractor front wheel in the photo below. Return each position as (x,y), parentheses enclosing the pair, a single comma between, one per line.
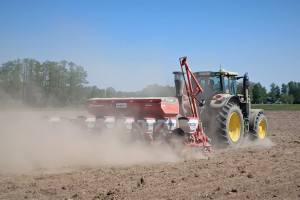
(260,127)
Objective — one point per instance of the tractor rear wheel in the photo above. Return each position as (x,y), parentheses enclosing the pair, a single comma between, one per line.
(231,125)
(260,128)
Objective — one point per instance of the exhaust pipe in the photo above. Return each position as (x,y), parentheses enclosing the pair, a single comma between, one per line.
(246,91)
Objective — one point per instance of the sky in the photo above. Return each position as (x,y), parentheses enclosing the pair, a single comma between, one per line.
(131,44)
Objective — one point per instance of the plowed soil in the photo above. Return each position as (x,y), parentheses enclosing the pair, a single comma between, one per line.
(258,170)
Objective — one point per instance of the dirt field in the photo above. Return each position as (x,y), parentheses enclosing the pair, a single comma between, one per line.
(34,169)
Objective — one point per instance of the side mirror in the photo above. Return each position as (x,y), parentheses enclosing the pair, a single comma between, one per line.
(202,103)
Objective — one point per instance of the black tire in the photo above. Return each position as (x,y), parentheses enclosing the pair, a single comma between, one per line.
(231,125)
(260,127)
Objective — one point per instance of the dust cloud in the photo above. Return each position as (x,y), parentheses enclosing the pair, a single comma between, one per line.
(28,143)
(265,143)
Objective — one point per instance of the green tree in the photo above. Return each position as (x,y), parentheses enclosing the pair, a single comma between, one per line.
(286,98)
(10,79)
(110,92)
(274,92)
(259,94)
(76,81)
(284,89)
(32,81)
(294,90)
(96,92)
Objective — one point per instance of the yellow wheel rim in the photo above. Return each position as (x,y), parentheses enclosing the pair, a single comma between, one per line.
(262,129)
(234,127)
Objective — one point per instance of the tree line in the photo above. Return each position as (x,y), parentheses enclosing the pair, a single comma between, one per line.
(30,82)
(286,94)
(48,83)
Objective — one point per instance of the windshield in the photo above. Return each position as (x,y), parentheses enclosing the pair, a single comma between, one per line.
(210,84)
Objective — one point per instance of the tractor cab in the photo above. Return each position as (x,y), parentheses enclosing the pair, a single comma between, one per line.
(214,83)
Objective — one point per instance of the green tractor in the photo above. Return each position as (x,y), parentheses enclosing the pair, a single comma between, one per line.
(226,116)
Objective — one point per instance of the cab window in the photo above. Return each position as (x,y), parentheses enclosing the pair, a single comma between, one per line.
(232,85)
(226,84)
(210,84)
